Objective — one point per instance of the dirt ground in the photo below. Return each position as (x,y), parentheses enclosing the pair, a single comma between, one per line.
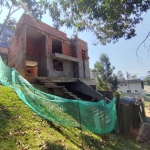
(144,132)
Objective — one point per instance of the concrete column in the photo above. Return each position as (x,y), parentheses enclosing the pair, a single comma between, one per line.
(21,53)
(47,54)
(76,46)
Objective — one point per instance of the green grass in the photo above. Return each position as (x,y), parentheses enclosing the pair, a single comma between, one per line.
(22,129)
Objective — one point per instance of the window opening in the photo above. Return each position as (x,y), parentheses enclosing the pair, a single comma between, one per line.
(56,46)
(142,85)
(57,65)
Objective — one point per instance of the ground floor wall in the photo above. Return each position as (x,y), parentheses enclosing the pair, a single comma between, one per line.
(84,71)
(20,63)
(42,66)
(70,69)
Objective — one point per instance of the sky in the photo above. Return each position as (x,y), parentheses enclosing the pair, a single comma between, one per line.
(122,54)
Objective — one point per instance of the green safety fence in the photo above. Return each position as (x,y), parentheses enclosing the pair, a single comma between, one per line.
(97,117)
(147,94)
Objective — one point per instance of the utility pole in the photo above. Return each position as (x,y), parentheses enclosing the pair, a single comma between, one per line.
(128,83)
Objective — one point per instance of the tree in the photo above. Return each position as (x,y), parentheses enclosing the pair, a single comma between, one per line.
(147,80)
(120,75)
(31,7)
(104,72)
(109,20)
(133,77)
(114,82)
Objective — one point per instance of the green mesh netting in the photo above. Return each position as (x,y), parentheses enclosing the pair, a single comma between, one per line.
(97,117)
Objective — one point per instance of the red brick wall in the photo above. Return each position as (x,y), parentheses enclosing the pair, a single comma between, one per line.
(13,49)
(41,46)
(35,48)
(20,41)
(82,45)
(41,25)
(45,27)
(29,20)
(66,49)
(31,49)
(31,44)
(49,42)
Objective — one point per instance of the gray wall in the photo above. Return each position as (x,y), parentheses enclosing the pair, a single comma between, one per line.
(68,70)
(81,72)
(42,69)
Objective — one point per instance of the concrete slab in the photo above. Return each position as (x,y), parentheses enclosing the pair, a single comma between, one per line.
(62,57)
(66,79)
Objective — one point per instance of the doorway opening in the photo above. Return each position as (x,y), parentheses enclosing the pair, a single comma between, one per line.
(56,46)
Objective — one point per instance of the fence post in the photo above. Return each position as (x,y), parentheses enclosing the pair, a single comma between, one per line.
(117,129)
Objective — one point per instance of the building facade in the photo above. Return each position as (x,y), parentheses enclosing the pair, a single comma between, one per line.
(132,87)
(40,50)
(4,42)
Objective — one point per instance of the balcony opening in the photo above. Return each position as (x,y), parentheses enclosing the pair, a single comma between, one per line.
(56,46)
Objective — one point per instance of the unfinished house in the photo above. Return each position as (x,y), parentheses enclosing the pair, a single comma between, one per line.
(39,51)
(4,42)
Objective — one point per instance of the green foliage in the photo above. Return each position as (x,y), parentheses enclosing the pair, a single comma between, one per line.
(109,20)
(31,7)
(120,75)
(106,79)
(147,80)
(114,82)
(11,22)
(133,77)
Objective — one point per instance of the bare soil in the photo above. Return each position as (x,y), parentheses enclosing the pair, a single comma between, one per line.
(144,132)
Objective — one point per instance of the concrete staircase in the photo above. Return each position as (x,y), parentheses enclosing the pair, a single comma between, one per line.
(69,93)
(51,85)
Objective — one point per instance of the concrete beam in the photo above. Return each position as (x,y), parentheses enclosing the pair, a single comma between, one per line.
(62,57)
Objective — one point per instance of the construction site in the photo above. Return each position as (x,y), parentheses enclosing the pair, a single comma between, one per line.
(42,54)
(38,54)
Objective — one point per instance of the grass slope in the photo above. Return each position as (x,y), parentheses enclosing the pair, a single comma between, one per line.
(22,129)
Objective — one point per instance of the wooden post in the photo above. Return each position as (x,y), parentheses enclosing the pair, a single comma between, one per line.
(117,130)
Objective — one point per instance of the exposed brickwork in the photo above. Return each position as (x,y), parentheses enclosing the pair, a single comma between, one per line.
(28,46)
(49,45)
(31,49)
(66,49)
(12,51)
(82,46)
(52,30)
(41,46)
(20,58)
